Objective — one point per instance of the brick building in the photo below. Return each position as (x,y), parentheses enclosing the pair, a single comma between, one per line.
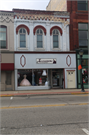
(79,36)
(57,5)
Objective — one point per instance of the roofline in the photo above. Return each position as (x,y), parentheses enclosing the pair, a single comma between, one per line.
(6,11)
(33,10)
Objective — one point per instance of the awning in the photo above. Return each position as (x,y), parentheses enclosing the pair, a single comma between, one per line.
(7,66)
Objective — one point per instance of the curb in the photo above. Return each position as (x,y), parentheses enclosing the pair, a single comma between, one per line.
(44,94)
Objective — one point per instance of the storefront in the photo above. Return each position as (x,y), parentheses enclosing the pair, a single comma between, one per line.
(84,74)
(42,70)
(7,71)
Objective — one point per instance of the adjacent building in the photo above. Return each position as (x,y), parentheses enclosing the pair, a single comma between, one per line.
(7,50)
(57,5)
(79,37)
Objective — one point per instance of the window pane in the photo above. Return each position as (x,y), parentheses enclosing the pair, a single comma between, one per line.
(22,37)
(2,44)
(38,31)
(82,34)
(20,31)
(55,37)
(39,37)
(8,78)
(39,44)
(24,31)
(83,42)
(54,32)
(82,26)
(3,29)
(82,1)
(22,44)
(2,36)
(82,6)
(55,44)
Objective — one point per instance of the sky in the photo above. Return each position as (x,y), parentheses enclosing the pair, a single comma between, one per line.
(8,5)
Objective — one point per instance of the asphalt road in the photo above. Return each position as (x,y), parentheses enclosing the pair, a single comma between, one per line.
(58,114)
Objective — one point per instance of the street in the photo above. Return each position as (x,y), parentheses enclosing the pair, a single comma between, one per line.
(51,114)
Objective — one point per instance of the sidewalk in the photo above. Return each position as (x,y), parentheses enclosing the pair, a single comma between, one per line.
(43,92)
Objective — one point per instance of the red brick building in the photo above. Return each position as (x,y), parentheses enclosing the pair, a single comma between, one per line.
(79,36)
(78,15)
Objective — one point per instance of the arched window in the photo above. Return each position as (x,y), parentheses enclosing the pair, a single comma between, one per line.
(22,35)
(39,34)
(55,38)
(3,42)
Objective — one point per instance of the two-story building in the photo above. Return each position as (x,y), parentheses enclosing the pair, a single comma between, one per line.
(43,59)
(7,50)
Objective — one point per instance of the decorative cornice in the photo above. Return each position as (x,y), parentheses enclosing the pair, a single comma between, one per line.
(46,17)
(6,19)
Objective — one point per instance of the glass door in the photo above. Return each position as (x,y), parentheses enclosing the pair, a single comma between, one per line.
(55,79)
(8,80)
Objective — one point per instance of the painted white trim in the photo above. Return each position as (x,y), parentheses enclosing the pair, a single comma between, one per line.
(42,40)
(47,39)
(19,39)
(58,40)
(25,48)
(67,39)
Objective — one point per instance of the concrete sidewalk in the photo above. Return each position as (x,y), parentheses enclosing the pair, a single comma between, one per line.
(43,92)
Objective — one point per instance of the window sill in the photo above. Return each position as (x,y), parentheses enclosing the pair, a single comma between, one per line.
(23,48)
(39,49)
(2,49)
(56,49)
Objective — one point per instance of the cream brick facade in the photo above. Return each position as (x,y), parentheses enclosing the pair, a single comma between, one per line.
(57,5)
(7,54)
(7,19)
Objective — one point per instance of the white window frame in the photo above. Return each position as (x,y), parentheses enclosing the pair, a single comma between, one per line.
(36,48)
(58,48)
(22,48)
(1,31)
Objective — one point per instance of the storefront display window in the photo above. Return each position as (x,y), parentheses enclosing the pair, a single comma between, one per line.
(84,70)
(34,77)
(85,75)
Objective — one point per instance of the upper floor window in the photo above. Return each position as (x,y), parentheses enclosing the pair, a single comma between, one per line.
(83,34)
(22,34)
(83,5)
(3,30)
(55,38)
(39,34)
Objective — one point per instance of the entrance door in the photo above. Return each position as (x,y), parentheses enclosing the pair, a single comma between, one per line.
(55,79)
(8,80)
(71,79)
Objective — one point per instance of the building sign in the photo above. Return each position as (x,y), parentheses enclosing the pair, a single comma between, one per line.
(46,61)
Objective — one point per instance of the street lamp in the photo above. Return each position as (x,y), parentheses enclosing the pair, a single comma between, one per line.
(81,54)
